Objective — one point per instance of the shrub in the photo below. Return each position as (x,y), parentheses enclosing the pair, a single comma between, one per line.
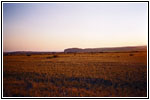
(55,56)
(28,55)
(130,54)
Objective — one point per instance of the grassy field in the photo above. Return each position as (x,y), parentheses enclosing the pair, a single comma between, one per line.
(118,74)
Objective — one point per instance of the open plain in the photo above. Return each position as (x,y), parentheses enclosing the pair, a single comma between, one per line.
(103,74)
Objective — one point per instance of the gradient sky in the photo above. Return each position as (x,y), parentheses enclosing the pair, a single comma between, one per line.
(57,26)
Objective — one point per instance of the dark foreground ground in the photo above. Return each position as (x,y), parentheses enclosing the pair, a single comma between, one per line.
(75,74)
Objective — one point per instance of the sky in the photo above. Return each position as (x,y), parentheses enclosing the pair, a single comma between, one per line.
(57,26)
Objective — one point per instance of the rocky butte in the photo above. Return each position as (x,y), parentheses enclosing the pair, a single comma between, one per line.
(110,49)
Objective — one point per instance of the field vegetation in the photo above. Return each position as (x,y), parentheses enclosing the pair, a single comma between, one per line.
(103,74)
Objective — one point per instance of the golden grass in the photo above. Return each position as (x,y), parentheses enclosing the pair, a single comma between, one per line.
(76,74)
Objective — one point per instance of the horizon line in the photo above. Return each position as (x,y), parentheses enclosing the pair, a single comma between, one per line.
(70,47)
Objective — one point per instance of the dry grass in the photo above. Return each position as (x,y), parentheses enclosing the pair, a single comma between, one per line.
(76,74)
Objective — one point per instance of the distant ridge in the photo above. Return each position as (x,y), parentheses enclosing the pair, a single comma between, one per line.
(110,49)
(29,52)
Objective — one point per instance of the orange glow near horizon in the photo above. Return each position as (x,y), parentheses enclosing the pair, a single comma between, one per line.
(57,26)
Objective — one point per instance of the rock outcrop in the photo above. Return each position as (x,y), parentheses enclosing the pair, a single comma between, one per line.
(114,49)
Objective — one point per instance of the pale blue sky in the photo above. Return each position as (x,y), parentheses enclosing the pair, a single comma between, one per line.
(56,26)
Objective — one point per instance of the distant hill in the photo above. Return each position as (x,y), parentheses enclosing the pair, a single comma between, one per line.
(28,52)
(112,49)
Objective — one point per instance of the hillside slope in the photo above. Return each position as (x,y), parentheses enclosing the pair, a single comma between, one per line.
(114,49)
